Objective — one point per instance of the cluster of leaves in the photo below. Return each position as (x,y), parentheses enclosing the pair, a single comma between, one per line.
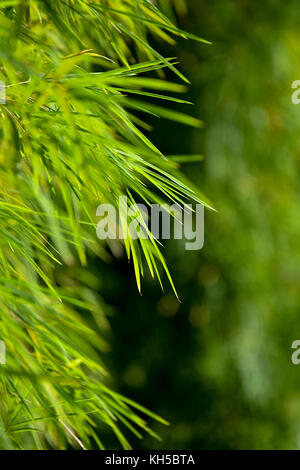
(72,135)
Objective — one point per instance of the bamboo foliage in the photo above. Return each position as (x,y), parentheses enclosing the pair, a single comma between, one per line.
(73,133)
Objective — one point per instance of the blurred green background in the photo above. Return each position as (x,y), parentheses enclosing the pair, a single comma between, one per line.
(218,364)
